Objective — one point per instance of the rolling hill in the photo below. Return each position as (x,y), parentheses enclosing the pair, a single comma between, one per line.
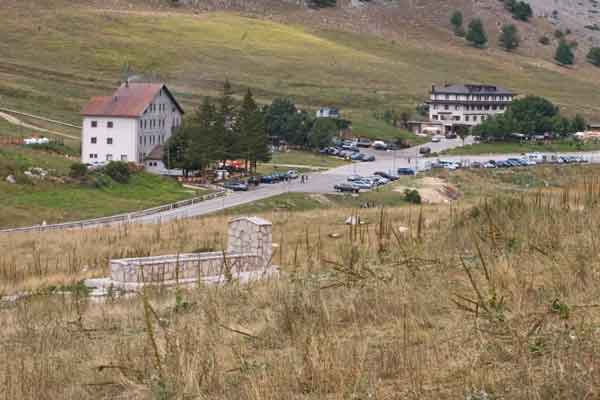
(56,54)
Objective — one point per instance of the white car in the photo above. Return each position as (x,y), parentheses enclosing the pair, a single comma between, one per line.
(363,184)
(292,174)
(436,139)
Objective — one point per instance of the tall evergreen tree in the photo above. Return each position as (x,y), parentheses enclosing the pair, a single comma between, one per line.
(456,19)
(224,124)
(509,37)
(250,128)
(476,34)
(564,54)
(593,56)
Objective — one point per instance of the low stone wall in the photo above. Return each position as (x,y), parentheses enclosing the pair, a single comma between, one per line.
(185,267)
(248,254)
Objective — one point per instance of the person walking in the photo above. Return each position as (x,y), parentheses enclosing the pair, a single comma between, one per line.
(302,179)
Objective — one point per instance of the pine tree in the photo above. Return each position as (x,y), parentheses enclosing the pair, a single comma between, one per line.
(509,37)
(224,124)
(476,35)
(457,23)
(250,128)
(593,56)
(564,54)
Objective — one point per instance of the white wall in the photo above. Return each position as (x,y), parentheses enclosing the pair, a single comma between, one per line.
(123,134)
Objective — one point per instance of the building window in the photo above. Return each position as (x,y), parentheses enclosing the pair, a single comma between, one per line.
(109,124)
(109,140)
(501,107)
(456,117)
(109,157)
(467,118)
(144,140)
(141,124)
(123,157)
(446,107)
(94,124)
(456,107)
(93,140)
(494,107)
(435,117)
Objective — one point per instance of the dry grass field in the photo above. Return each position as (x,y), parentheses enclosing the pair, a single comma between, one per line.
(495,296)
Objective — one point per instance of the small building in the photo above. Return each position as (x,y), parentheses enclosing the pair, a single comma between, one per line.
(128,125)
(426,127)
(153,162)
(466,104)
(328,112)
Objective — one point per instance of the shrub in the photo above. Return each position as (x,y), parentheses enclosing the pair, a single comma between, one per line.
(78,170)
(593,56)
(412,196)
(457,21)
(564,54)
(509,38)
(476,35)
(118,171)
(544,40)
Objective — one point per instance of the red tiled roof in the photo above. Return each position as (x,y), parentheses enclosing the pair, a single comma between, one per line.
(128,101)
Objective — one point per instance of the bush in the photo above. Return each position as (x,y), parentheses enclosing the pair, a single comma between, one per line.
(78,170)
(118,171)
(476,35)
(545,40)
(412,196)
(593,56)
(509,38)
(564,54)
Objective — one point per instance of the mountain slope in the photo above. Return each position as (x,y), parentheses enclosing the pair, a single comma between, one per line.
(55,56)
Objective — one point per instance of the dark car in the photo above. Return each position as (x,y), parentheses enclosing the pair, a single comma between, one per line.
(424,150)
(368,158)
(406,171)
(254,180)
(357,156)
(346,187)
(235,186)
(268,179)
(386,175)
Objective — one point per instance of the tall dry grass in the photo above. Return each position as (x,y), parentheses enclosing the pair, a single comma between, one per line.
(499,300)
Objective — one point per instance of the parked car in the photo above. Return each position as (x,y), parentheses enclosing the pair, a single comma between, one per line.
(386,175)
(476,164)
(292,174)
(368,158)
(425,150)
(353,178)
(490,164)
(236,186)
(268,179)
(406,171)
(357,156)
(436,139)
(346,187)
(379,145)
(254,180)
(364,143)
(363,184)
(379,180)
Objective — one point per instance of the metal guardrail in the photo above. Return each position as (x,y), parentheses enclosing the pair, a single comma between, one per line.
(119,218)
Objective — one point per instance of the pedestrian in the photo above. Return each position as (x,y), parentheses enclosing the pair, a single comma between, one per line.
(306,179)
(301,178)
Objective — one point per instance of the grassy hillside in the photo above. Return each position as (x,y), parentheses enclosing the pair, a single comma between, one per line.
(30,201)
(494,298)
(54,57)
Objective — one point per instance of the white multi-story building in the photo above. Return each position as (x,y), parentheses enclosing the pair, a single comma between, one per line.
(456,105)
(128,125)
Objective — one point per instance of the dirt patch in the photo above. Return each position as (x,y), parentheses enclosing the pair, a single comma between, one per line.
(433,190)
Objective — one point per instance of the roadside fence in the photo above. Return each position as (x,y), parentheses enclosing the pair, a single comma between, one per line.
(115,219)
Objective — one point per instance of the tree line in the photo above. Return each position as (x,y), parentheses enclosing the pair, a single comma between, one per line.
(531,116)
(222,130)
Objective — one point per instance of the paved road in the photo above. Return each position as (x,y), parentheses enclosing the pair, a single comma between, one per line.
(317,183)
